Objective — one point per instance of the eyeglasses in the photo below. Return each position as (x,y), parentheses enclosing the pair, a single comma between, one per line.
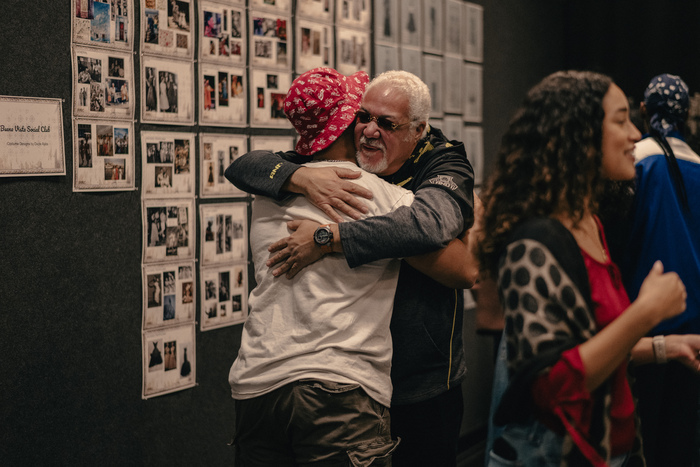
(382,122)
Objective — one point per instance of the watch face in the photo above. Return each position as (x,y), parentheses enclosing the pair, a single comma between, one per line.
(322,235)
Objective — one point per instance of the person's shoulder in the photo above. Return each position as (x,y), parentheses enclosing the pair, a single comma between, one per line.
(645,148)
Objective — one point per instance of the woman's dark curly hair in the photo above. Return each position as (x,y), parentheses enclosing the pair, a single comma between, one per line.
(549,160)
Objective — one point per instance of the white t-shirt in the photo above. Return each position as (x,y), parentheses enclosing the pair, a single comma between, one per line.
(329,322)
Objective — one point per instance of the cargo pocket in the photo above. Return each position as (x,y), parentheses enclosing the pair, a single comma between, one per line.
(376,454)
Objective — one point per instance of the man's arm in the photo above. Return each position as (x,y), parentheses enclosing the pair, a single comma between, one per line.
(455,266)
(278,174)
(263,172)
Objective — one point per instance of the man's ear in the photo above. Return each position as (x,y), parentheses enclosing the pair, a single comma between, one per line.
(419,130)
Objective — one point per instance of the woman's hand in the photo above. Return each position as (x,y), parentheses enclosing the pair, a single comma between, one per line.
(662,293)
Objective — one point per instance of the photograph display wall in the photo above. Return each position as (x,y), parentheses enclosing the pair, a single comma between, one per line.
(103,24)
(103,155)
(238,81)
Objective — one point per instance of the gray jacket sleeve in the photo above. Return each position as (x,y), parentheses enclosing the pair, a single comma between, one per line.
(428,224)
(263,172)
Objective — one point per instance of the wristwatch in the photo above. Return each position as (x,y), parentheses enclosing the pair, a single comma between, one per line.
(323,237)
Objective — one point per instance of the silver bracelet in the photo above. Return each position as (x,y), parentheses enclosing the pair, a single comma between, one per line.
(659,346)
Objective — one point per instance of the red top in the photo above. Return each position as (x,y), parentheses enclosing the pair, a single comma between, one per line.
(562,391)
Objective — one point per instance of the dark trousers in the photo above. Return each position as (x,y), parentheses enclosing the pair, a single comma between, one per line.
(668,409)
(429,430)
(313,423)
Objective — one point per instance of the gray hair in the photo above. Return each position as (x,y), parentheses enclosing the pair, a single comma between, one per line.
(417,92)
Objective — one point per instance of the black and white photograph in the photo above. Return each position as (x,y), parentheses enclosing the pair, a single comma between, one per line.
(386,57)
(452,128)
(454,17)
(386,21)
(411,60)
(433,77)
(102,155)
(229,228)
(174,280)
(474,144)
(453,86)
(411,23)
(473,93)
(433,29)
(353,51)
(353,14)
(169,360)
(218,152)
(166,168)
(473,32)
(166,28)
(168,88)
(225,301)
(175,239)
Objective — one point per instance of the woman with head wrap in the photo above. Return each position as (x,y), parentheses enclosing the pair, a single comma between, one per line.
(665,226)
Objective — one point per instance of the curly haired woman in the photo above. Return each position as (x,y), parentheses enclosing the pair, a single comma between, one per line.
(570,327)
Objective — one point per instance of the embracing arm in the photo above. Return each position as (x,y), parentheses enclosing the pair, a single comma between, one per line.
(263,172)
(428,224)
(277,174)
(455,266)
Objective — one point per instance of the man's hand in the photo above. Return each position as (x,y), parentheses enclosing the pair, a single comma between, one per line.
(328,188)
(292,254)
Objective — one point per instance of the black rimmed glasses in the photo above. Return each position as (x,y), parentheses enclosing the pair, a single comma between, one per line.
(382,122)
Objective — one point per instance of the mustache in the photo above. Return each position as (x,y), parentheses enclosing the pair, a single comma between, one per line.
(373,142)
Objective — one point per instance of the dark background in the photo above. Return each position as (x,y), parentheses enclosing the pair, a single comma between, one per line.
(70,263)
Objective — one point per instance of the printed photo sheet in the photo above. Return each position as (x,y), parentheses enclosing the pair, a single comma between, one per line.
(169,360)
(103,155)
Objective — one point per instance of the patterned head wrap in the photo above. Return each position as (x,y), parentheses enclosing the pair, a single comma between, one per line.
(667,102)
(321,104)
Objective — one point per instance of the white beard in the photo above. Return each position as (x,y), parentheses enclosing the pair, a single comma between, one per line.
(372,167)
